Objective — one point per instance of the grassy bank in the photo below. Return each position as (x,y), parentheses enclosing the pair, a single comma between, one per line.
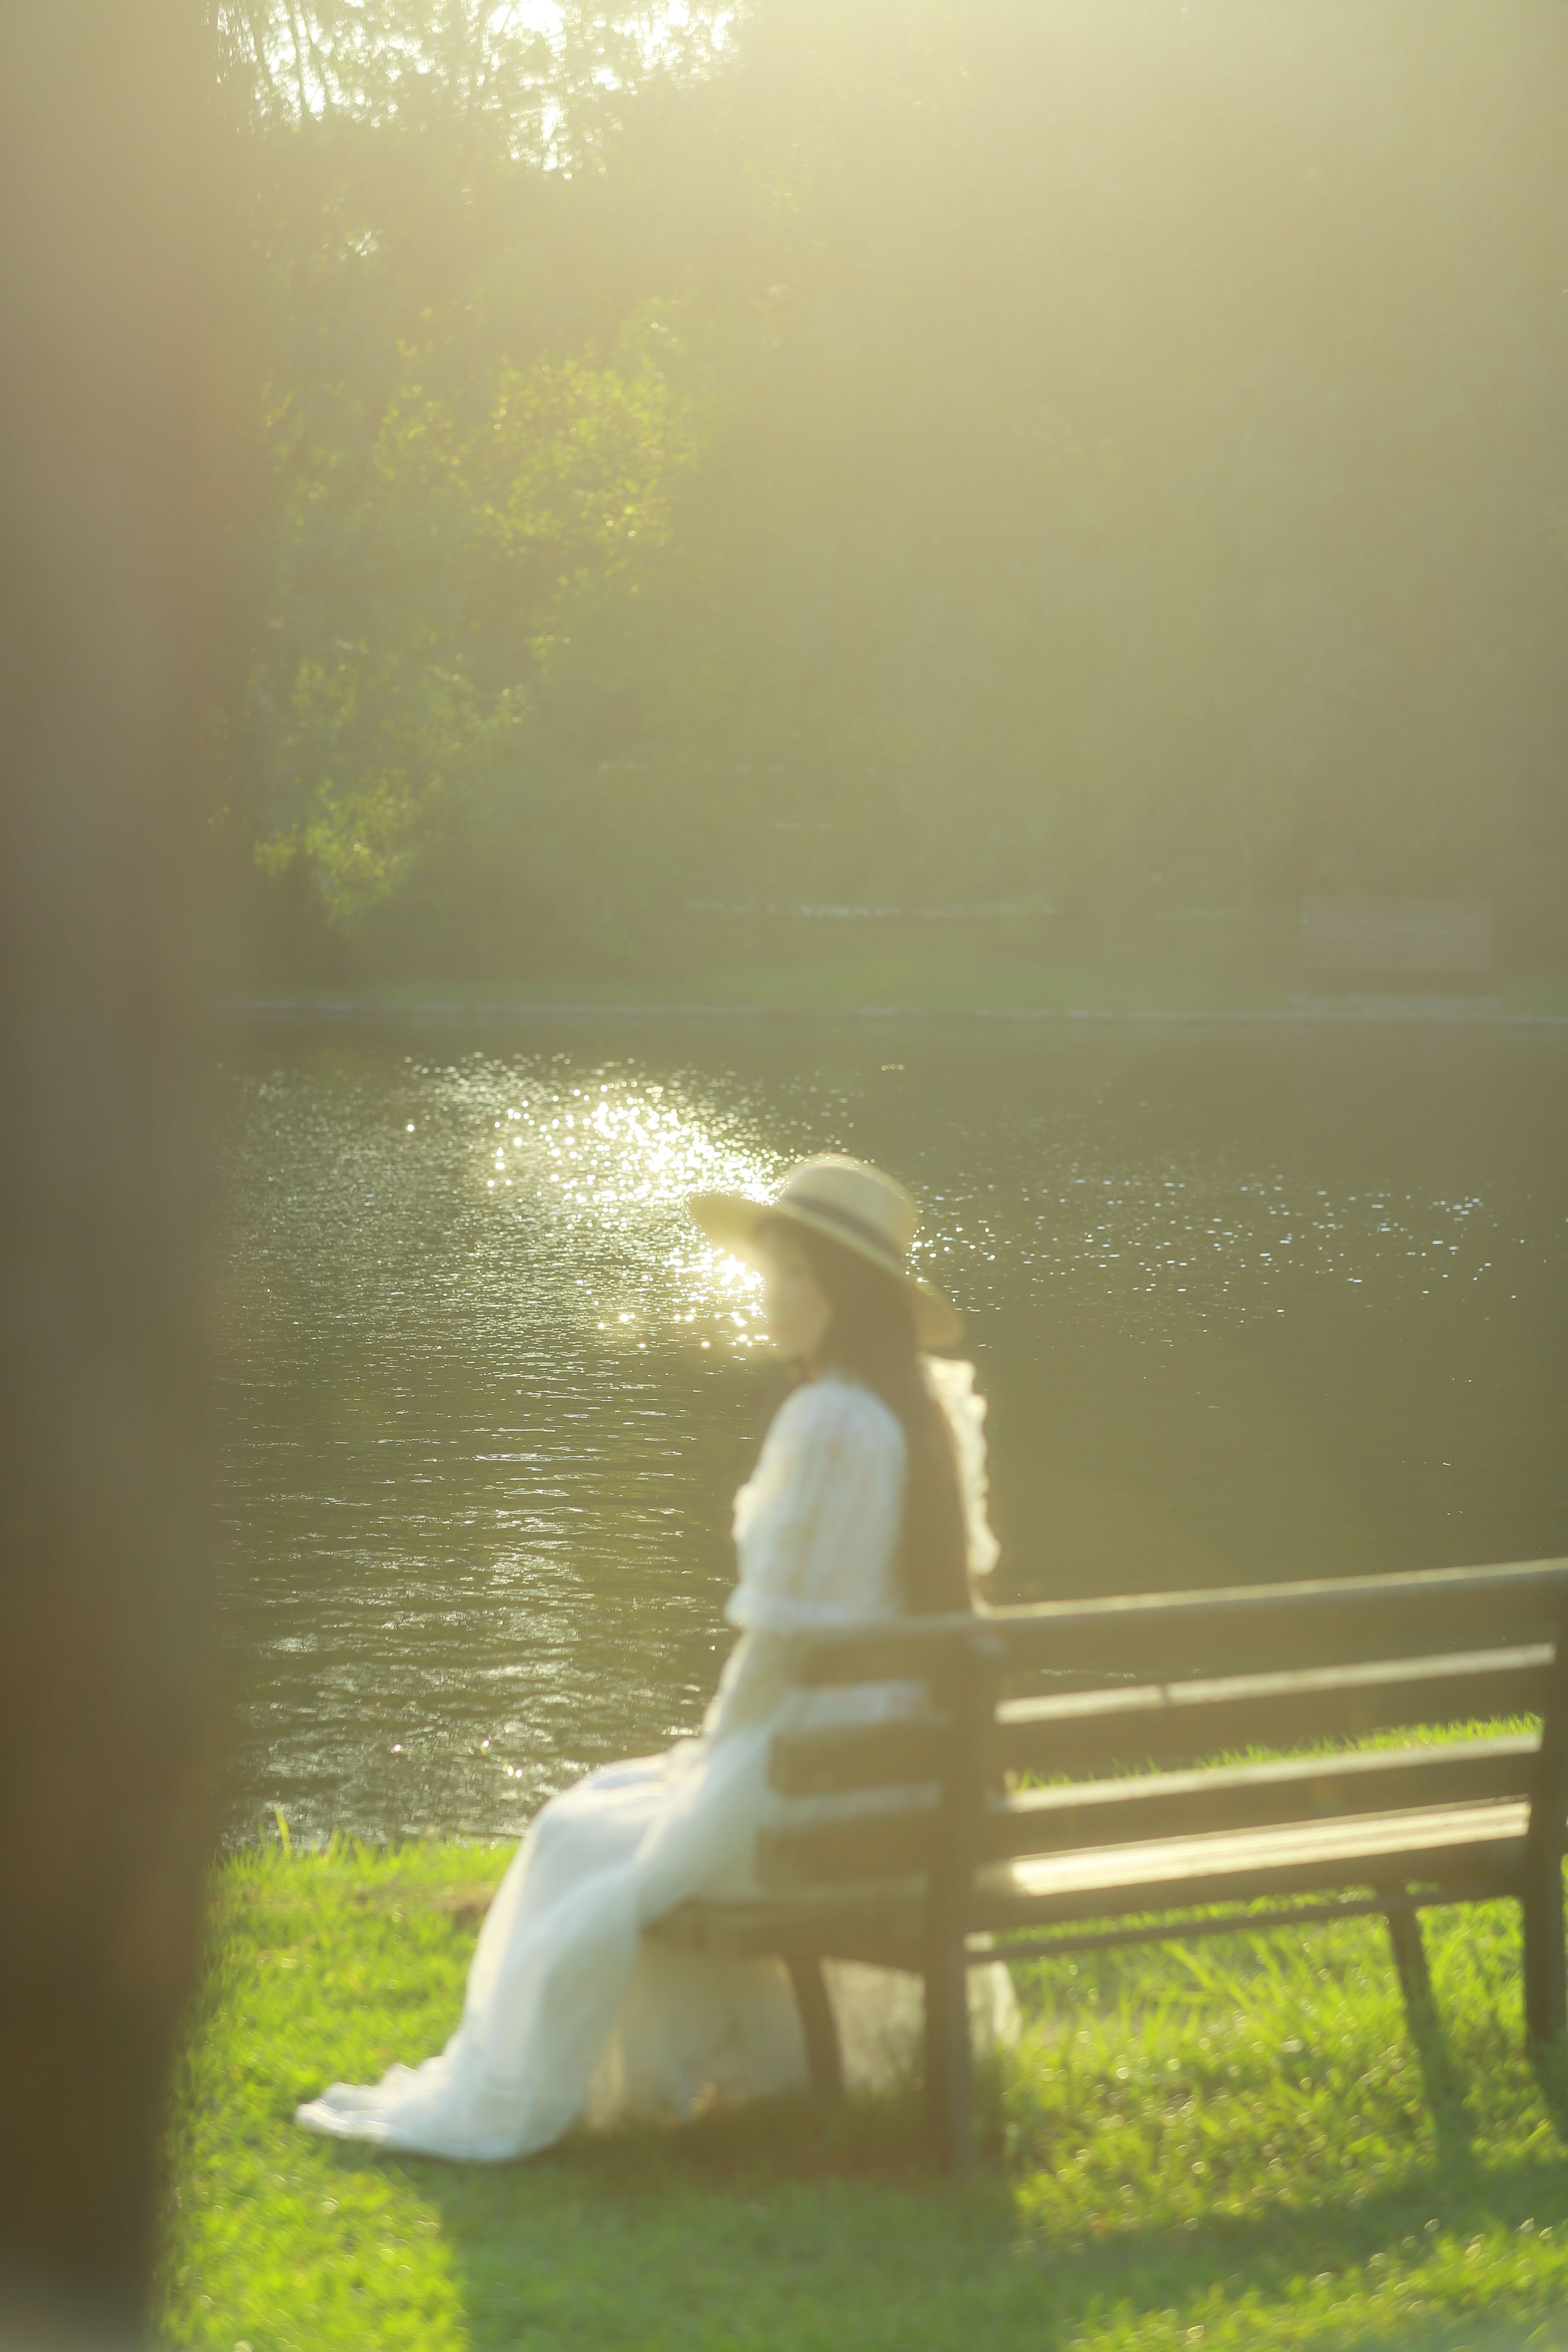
(1234,2145)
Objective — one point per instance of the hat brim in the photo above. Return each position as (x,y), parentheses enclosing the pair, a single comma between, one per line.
(735,1224)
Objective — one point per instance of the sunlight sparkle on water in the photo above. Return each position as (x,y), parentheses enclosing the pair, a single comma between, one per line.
(610,1167)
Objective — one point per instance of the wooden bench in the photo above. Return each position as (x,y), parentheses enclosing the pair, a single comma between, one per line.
(937,1839)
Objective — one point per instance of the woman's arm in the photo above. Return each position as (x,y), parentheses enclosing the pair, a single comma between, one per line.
(817,1532)
(816,1528)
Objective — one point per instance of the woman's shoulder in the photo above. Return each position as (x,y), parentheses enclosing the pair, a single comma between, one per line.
(830,1436)
(833,1411)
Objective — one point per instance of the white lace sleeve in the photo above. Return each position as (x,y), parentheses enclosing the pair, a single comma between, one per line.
(952,1385)
(817,1526)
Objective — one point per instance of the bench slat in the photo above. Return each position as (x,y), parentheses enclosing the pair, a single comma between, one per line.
(1259,1796)
(1159,1723)
(1196,1927)
(1347,1848)
(889,1843)
(1231,1630)
(1079,1731)
(1458,1844)
(892,1755)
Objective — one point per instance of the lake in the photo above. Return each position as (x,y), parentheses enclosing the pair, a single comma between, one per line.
(1248,1304)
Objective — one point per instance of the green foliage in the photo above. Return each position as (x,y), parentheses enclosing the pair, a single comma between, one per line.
(1237,2146)
(518,498)
(850,450)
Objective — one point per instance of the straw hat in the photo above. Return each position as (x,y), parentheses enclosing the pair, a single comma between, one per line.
(847,1202)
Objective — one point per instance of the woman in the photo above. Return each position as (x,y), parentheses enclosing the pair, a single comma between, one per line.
(869,1499)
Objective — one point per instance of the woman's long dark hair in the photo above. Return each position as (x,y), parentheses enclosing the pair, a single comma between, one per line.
(872,1338)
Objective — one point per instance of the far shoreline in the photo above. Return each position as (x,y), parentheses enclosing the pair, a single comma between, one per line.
(1345,1012)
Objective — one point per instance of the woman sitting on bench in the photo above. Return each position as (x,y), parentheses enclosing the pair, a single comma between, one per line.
(869,1499)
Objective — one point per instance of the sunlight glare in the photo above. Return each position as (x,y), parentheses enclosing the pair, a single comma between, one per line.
(613,1176)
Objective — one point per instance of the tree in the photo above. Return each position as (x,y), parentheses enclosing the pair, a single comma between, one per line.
(1066,447)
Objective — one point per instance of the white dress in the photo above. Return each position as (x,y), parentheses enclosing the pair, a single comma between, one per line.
(569,2017)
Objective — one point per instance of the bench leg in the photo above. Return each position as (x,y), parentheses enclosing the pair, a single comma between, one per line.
(824,2060)
(948,2069)
(1545,1963)
(1445,2089)
(1410,1960)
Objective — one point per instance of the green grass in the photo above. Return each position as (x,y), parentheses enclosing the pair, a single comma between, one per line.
(1235,2145)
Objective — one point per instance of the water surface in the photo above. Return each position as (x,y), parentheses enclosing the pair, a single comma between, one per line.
(1247,1305)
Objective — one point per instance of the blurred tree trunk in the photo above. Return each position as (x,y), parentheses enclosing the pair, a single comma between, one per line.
(108,195)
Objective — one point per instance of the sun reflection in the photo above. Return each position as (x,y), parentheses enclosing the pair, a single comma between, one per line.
(1216,1239)
(610,1162)
(599,1168)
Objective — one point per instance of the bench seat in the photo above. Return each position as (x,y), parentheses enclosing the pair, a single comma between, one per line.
(1454,1844)
(1477,1848)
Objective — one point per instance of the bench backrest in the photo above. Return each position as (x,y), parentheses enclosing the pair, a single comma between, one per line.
(1136,1700)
